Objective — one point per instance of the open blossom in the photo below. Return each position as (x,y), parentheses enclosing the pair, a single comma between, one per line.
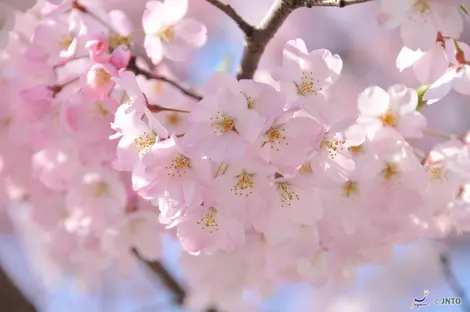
(420,21)
(222,124)
(97,194)
(56,41)
(167,170)
(244,188)
(286,144)
(395,108)
(306,76)
(209,228)
(168,33)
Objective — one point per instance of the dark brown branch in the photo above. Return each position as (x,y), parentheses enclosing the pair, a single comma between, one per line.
(138,71)
(169,281)
(230,11)
(333,3)
(457,289)
(263,33)
(11,297)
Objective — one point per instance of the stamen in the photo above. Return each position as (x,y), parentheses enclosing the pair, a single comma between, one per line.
(307,84)
(287,195)
(144,142)
(179,166)
(209,221)
(332,145)
(223,123)
(244,184)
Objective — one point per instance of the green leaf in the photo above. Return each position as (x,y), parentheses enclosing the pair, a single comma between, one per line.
(421,91)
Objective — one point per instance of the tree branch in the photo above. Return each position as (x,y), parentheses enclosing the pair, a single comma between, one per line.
(170,282)
(263,33)
(138,71)
(332,3)
(230,11)
(457,289)
(11,297)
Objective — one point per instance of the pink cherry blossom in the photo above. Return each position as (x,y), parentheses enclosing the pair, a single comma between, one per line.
(168,33)
(222,125)
(420,21)
(307,75)
(395,108)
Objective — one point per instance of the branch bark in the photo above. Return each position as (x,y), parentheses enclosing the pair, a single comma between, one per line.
(170,282)
(11,297)
(263,33)
(233,14)
(454,284)
(138,71)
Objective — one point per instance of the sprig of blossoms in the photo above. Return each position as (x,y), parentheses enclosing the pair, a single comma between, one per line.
(265,179)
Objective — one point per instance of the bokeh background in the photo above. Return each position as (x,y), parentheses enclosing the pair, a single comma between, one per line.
(369,54)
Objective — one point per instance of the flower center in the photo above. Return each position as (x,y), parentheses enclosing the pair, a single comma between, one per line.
(389,119)
(332,145)
(422,6)
(274,138)
(117,40)
(208,221)
(390,171)
(287,195)
(167,33)
(102,111)
(244,184)
(173,119)
(350,188)
(436,171)
(178,166)
(306,85)
(357,149)
(65,43)
(102,77)
(100,189)
(223,123)
(144,142)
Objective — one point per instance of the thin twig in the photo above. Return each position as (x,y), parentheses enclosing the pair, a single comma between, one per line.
(138,71)
(458,290)
(263,33)
(233,14)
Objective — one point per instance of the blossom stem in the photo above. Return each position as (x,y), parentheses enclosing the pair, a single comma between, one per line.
(438,134)
(233,14)
(256,43)
(138,71)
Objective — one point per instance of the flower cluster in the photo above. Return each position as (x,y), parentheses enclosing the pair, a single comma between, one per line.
(430,30)
(58,101)
(259,183)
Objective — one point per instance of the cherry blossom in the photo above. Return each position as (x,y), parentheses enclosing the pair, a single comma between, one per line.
(169,33)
